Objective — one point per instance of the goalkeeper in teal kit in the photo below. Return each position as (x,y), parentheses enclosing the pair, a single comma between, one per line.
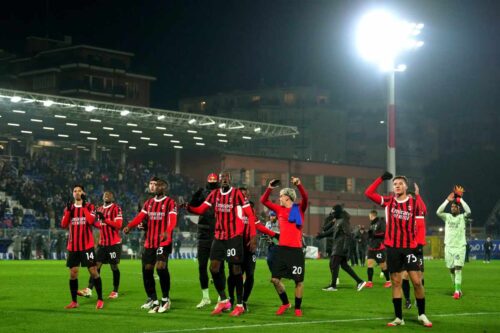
(454,238)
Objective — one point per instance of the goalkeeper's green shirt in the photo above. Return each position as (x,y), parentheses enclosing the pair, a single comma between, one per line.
(454,232)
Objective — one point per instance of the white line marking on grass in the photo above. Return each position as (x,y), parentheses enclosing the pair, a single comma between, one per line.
(314,322)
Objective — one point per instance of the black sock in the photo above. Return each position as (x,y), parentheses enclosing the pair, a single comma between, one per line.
(238,282)
(150,284)
(247,287)
(406,288)
(423,282)
(230,288)
(73,288)
(145,280)
(98,287)
(91,280)
(284,298)
(370,273)
(116,280)
(220,284)
(386,275)
(421,305)
(398,307)
(298,302)
(164,276)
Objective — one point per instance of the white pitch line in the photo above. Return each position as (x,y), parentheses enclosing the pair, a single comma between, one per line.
(314,322)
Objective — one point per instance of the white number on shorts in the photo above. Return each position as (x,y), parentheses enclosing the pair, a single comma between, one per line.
(296,270)
(254,258)
(231,252)
(112,255)
(159,251)
(411,258)
(379,255)
(90,255)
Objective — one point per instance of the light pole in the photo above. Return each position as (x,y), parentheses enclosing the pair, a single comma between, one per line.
(381,37)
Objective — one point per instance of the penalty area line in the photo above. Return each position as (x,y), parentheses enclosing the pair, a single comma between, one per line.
(312,322)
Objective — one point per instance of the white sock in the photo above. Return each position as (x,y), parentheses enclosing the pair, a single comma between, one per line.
(205,293)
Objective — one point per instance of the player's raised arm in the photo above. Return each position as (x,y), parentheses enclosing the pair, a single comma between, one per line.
(371,191)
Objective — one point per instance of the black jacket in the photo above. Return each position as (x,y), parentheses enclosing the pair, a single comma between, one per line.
(376,234)
(341,234)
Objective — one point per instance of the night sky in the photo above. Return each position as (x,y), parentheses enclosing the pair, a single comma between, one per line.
(203,47)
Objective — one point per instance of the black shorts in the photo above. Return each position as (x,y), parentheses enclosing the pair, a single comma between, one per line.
(420,258)
(151,255)
(109,254)
(289,263)
(81,258)
(230,250)
(377,255)
(203,249)
(250,259)
(399,259)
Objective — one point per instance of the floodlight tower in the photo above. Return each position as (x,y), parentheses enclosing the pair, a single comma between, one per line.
(381,38)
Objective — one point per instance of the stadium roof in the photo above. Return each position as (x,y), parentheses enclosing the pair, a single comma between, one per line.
(54,118)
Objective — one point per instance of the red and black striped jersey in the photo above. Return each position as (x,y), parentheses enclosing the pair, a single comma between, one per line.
(248,228)
(225,205)
(161,214)
(401,217)
(401,222)
(79,219)
(109,229)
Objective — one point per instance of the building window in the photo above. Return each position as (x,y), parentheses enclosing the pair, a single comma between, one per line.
(321,100)
(289,98)
(335,184)
(44,82)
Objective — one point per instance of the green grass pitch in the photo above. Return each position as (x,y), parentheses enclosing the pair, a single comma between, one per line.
(33,295)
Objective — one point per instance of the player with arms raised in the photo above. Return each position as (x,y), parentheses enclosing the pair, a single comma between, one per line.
(402,212)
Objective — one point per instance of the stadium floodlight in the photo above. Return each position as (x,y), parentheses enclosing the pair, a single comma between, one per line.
(124,112)
(191,121)
(152,144)
(47,103)
(36,120)
(48,128)
(208,123)
(19,111)
(175,141)
(246,137)
(63,135)
(192,131)
(132,147)
(200,144)
(161,128)
(13,124)
(137,131)
(178,147)
(145,138)
(15,99)
(221,134)
(122,141)
(223,140)
(222,125)
(108,128)
(26,132)
(89,108)
(168,134)
(85,132)
(160,117)
(132,124)
(381,38)
(114,135)
(197,138)
(95,120)
(257,129)
(60,116)
(91,138)
(71,124)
